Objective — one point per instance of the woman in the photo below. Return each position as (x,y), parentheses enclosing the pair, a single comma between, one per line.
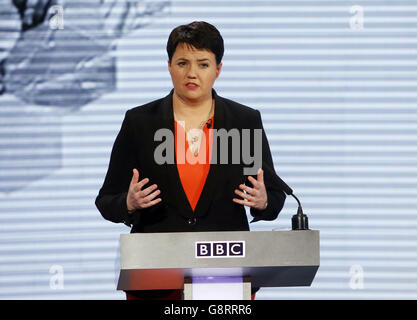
(186,196)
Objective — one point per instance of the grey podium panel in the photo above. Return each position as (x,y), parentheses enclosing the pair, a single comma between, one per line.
(271,258)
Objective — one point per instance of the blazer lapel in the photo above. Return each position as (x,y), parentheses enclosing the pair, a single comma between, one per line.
(176,195)
(216,175)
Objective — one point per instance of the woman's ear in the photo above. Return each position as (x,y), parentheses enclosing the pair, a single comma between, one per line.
(219,69)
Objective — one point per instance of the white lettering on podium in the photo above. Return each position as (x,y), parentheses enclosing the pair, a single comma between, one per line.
(220,249)
(204,250)
(232,249)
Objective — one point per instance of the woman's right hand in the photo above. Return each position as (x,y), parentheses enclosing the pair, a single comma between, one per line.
(138,198)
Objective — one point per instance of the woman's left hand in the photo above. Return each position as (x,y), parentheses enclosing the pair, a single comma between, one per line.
(255,197)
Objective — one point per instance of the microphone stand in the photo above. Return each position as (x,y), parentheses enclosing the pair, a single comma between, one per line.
(299,220)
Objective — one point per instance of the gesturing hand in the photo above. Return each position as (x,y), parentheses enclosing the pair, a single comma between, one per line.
(255,197)
(138,198)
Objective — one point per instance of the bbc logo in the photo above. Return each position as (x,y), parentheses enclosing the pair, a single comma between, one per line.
(220,249)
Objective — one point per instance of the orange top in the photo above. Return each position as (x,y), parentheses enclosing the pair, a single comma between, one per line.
(193,169)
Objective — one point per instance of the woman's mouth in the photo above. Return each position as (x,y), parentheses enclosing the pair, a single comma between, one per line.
(192,86)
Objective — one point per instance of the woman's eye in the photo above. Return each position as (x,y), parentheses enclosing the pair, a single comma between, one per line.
(182,63)
(204,65)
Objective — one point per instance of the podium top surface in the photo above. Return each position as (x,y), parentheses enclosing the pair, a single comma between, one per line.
(229,249)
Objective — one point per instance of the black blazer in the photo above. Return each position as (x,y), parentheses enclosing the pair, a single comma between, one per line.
(215,211)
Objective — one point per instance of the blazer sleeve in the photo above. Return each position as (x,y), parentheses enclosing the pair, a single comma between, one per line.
(276,197)
(111,200)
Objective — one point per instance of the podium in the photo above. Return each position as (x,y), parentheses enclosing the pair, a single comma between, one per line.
(218,264)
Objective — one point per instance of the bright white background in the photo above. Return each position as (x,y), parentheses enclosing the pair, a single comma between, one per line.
(337,92)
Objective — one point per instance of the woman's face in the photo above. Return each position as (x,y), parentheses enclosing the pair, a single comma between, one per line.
(193,72)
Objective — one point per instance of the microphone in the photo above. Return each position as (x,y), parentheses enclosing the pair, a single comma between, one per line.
(208,123)
(299,221)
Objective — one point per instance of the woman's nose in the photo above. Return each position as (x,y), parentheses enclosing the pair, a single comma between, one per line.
(192,72)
